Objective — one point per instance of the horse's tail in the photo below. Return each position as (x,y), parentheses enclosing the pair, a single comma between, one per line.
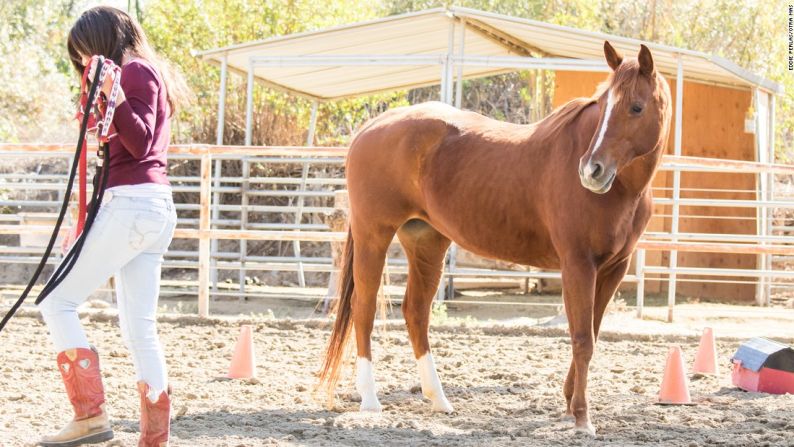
(329,375)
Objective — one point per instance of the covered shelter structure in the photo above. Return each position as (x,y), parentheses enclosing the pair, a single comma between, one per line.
(720,109)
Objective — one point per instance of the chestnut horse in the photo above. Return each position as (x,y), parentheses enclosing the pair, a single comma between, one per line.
(571,192)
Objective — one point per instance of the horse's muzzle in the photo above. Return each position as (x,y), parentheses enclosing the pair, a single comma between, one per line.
(596,177)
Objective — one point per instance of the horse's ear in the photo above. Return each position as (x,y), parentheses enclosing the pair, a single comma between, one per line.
(614,59)
(646,61)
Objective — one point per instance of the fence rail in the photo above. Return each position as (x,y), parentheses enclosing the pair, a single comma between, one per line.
(306,190)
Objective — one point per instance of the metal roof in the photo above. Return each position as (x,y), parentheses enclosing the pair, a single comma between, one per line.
(418,42)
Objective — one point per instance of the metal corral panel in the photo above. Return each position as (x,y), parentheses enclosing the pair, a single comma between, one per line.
(427,33)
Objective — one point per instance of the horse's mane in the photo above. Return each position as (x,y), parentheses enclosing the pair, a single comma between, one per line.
(553,124)
(562,116)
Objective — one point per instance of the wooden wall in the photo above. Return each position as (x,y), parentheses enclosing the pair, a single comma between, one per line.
(713,126)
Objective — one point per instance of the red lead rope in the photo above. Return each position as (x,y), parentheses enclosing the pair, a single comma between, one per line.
(83,184)
(107,107)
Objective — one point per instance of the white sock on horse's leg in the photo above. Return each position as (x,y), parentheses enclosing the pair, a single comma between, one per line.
(431,384)
(365,385)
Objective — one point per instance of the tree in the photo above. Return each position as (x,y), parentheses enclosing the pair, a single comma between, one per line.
(33,62)
(35,99)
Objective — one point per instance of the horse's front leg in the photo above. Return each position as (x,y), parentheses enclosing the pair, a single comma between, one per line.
(607,282)
(578,283)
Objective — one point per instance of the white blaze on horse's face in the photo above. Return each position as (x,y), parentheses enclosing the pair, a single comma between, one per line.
(592,173)
(365,385)
(431,384)
(611,100)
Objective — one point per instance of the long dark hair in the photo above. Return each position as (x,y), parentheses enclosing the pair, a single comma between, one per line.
(111,33)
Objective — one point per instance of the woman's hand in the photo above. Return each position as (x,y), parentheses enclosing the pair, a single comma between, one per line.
(107,85)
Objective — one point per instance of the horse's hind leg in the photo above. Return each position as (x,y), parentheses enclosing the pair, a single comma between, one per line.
(607,284)
(425,248)
(369,256)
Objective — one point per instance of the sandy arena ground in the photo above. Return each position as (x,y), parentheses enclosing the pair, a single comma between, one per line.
(503,380)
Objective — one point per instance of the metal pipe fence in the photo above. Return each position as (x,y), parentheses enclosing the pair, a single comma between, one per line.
(262,209)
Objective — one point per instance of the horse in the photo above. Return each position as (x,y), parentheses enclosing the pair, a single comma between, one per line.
(571,192)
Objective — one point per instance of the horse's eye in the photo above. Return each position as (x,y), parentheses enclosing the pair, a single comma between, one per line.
(636,109)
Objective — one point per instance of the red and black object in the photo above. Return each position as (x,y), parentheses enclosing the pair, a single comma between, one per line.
(88,120)
(764,366)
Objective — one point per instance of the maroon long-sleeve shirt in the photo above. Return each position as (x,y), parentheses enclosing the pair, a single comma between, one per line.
(138,153)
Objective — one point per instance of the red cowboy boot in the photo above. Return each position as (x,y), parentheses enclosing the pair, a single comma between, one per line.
(155,417)
(80,372)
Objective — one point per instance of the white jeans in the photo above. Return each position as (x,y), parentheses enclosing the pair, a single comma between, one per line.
(131,233)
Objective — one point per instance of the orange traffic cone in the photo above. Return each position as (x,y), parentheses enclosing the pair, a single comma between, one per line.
(675,386)
(243,360)
(706,357)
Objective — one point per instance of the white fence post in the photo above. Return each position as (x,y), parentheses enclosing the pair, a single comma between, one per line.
(204,235)
(216,199)
(679,111)
(771,185)
(462,55)
(639,272)
(244,185)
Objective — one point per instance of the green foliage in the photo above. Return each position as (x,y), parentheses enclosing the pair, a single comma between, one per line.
(175,27)
(438,313)
(36,98)
(440,316)
(37,87)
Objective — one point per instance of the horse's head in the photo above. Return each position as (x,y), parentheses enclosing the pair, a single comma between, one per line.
(635,116)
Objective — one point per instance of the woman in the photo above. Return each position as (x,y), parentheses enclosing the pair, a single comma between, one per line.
(133,229)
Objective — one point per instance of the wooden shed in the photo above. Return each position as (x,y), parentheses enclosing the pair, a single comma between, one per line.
(713,125)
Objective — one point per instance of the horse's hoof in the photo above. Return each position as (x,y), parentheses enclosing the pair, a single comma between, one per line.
(586,429)
(368,406)
(442,406)
(567,417)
